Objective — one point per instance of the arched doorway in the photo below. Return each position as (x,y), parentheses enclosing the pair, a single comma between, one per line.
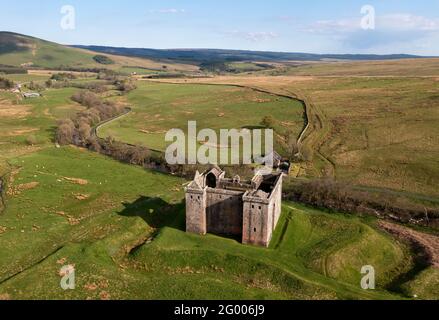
(211,180)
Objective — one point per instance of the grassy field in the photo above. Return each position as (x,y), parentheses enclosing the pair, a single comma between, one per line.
(22,119)
(124,234)
(371,131)
(241,67)
(392,68)
(23,78)
(159,107)
(140,71)
(123,226)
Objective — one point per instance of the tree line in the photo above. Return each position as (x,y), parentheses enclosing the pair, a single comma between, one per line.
(343,197)
(78,130)
(6,84)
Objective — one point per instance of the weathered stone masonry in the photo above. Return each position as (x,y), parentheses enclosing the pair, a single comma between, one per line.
(251,209)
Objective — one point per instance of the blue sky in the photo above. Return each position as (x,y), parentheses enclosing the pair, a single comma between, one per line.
(401,26)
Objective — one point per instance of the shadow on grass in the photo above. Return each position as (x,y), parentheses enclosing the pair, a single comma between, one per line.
(421,261)
(156,212)
(253,127)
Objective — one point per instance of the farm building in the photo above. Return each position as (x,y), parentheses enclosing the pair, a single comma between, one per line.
(29,95)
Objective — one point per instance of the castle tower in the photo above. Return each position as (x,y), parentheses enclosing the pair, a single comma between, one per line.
(256,228)
(196,199)
(261,212)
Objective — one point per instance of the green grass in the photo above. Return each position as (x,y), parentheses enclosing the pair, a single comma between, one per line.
(46,54)
(37,220)
(378,132)
(424,285)
(382,131)
(385,68)
(101,227)
(24,78)
(105,240)
(140,71)
(159,107)
(36,117)
(21,50)
(245,67)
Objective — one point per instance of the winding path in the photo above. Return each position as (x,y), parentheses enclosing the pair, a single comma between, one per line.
(95,130)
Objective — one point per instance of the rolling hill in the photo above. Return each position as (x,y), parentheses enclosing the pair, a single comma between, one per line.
(24,51)
(17,50)
(197,56)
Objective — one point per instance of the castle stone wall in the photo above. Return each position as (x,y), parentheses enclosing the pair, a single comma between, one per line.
(255,226)
(276,201)
(224,212)
(196,212)
(234,207)
(260,217)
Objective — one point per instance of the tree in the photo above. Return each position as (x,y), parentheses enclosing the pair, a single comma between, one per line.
(125,85)
(84,130)
(63,76)
(103,59)
(93,144)
(214,66)
(87,99)
(65,132)
(6,83)
(139,155)
(34,86)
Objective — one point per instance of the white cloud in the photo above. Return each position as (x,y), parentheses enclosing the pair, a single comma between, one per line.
(334,26)
(404,21)
(168,11)
(389,22)
(254,36)
(398,31)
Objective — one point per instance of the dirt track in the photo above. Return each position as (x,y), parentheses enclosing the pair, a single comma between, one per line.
(428,242)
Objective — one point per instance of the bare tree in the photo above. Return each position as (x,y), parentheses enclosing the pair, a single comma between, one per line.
(65,132)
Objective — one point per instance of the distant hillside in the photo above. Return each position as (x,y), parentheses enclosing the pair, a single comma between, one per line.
(198,56)
(18,50)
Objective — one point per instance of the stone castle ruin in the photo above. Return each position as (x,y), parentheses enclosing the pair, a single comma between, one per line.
(248,209)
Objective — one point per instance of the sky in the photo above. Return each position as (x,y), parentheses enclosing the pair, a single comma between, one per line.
(319,26)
